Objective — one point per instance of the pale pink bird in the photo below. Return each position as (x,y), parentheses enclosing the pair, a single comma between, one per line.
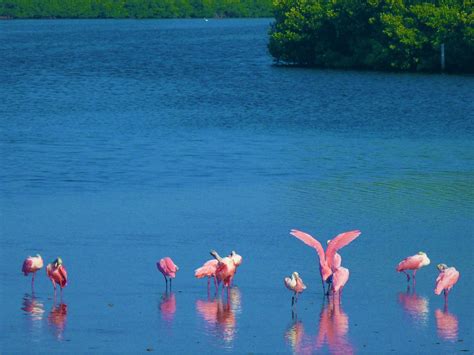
(339,280)
(207,270)
(168,268)
(57,273)
(295,284)
(329,260)
(31,265)
(414,263)
(447,278)
(237,261)
(225,270)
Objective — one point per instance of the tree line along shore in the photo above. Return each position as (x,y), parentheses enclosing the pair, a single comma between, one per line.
(29,9)
(395,35)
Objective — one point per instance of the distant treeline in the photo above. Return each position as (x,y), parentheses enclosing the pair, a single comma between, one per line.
(374,34)
(134,8)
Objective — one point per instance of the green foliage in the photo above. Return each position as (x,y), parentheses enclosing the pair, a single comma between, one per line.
(374,34)
(134,8)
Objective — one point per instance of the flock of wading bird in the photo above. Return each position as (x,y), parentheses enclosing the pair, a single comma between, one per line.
(222,270)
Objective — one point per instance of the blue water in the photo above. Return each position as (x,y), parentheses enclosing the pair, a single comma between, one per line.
(126,141)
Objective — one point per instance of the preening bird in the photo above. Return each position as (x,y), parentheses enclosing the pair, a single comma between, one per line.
(447,278)
(295,284)
(31,265)
(57,273)
(168,268)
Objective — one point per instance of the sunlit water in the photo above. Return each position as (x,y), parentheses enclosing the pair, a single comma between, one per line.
(126,141)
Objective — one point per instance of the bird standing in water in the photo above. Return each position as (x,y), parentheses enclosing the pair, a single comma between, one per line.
(330,260)
(339,280)
(225,270)
(168,268)
(414,263)
(447,278)
(207,270)
(31,265)
(295,284)
(57,273)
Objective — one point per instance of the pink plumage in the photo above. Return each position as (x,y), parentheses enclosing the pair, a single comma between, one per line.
(225,271)
(32,264)
(329,261)
(57,273)
(207,270)
(340,278)
(167,267)
(414,263)
(446,279)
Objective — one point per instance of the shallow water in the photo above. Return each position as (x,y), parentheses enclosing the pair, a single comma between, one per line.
(126,141)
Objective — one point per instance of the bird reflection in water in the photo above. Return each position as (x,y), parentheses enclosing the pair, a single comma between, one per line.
(446,324)
(415,306)
(57,319)
(168,306)
(220,314)
(34,310)
(33,307)
(333,328)
(296,337)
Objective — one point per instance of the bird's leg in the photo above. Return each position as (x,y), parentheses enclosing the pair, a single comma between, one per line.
(33,281)
(408,276)
(292,300)
(170,283)
(215,283)
(166,281)
(446,298)
(324,287)
(208,283)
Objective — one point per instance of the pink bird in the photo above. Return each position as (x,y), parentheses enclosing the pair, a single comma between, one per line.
(31,265)
(339,280)
(329,261)
(207,270)
(57,273)
(447,278)
(414,263)
(225,270)
(295,284)
(168,268)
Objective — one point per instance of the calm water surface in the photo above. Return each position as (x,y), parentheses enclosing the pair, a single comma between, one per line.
(126,141)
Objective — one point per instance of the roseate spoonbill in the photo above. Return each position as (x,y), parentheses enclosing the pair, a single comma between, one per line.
(329,260)
(168,268)
(225,270)
(447,278)
(31,265)
(207,270)
(295,284)
(237,261)
(57,273)
(414,263)
(339,280)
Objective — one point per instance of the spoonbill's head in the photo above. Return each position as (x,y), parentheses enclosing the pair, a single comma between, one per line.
(442,267)
(58,262)
(426,260)
(329,241)
(236,258)
(295,275)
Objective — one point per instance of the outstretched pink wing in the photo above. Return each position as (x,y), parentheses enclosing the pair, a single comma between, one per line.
(309,240)
(337,243)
